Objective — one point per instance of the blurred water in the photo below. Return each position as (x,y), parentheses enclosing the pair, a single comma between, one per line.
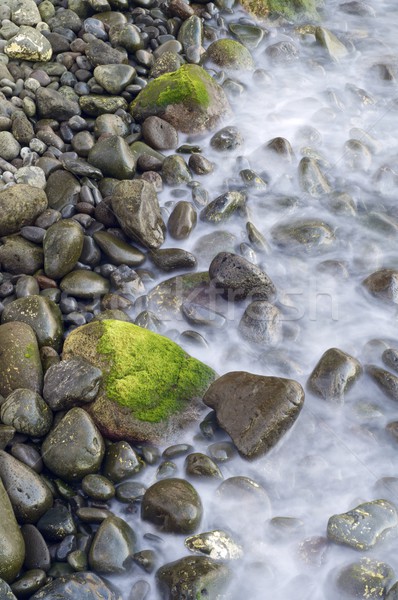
(334,455)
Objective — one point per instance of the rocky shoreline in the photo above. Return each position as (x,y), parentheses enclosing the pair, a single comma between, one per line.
(103,109)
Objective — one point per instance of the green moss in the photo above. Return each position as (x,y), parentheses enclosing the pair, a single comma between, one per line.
(149,373)
(187,84)
(230,53)
(29,351)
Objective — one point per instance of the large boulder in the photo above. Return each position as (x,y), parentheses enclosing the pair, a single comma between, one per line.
(12,547)
(151,388)
(256,411)
(188,98)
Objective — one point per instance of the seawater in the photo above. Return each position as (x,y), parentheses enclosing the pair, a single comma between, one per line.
(335,455)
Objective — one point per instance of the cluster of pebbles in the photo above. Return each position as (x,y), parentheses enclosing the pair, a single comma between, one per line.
(82,225)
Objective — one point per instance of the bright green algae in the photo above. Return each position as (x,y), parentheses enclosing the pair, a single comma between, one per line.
(148,372)
(187,84)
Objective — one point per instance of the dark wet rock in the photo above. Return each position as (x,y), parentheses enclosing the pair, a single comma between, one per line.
(121,462)
(201,466)
(223,207)
(6,434)
(12,547)
(57,523)
(217,544)
(76,437)
(334,374)
(383,284)
(200,165)
(29,495)
(311,178)
(84,284)
(256,411)
(112,547)
(37,555)
(172,505)
(193,578)
(27,412)
(385,380)
(42,314)
(19,256)
(261,323)
(169,259)
(142,399)
(188,98)
(29,582)
(393,592)
(202,315)
(182,220)
(62,189)
(228,55)
(119,252)
(54,105)
(62,245)
(367,578)
(20,365)
(94,105)
(98,487)
(136,206)
(175,170)
(228,138)
(71,382)
(238,279)
(159,134)
(113,157)
(167,297)
(364,526)
(20,205)
(304,235)
(130,491)
(114,78)
(76,586)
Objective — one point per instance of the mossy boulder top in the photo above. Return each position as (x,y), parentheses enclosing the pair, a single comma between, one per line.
(188,98)
(151,387)
(293,10)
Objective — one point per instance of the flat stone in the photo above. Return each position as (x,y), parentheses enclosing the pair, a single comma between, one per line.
(114,78)
(51,104)
(76,586)
(256,411)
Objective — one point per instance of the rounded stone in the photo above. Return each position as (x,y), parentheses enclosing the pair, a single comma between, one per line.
(27,412)
(62,246)
(20,364)
(75,586)
(76,437)
(172,505)
(196,577)
(118,251)
(229,55)
(261,323)
(112,547)
(28,44)
(84,284)
(71,382)
(9,147)
(159,134)
(182,220)
(98,487)
(20,205)
(12,547)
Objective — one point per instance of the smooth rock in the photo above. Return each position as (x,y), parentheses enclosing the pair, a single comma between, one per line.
(27,412)
(229,55)
(114,78)
(334,375)
(112,547)
(119,252)
(386,381)
(182,220)
(172,505)
(29,495)
(20,365)
(77,586)
(20,205)
(76,437)
(84,284)
(367,578)
(51,104)
(196,577)
(12,547)
(383,284)
(256,411)
(113,157)
(307,236)
(223,207)
(19,256)
(136,206)
(261,323)
(62,246)
(42,314)
(121,462)
(159,134)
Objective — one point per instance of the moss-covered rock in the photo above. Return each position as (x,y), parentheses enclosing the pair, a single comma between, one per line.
(188,98)
(229,54)
(151,387)
(293,10)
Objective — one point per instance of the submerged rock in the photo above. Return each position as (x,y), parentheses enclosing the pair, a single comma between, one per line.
(383,284)
(256,411)
(193,578)
(188,98)
(216,544)
(364,526)
(385,380)
(367,578)
(151,387)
